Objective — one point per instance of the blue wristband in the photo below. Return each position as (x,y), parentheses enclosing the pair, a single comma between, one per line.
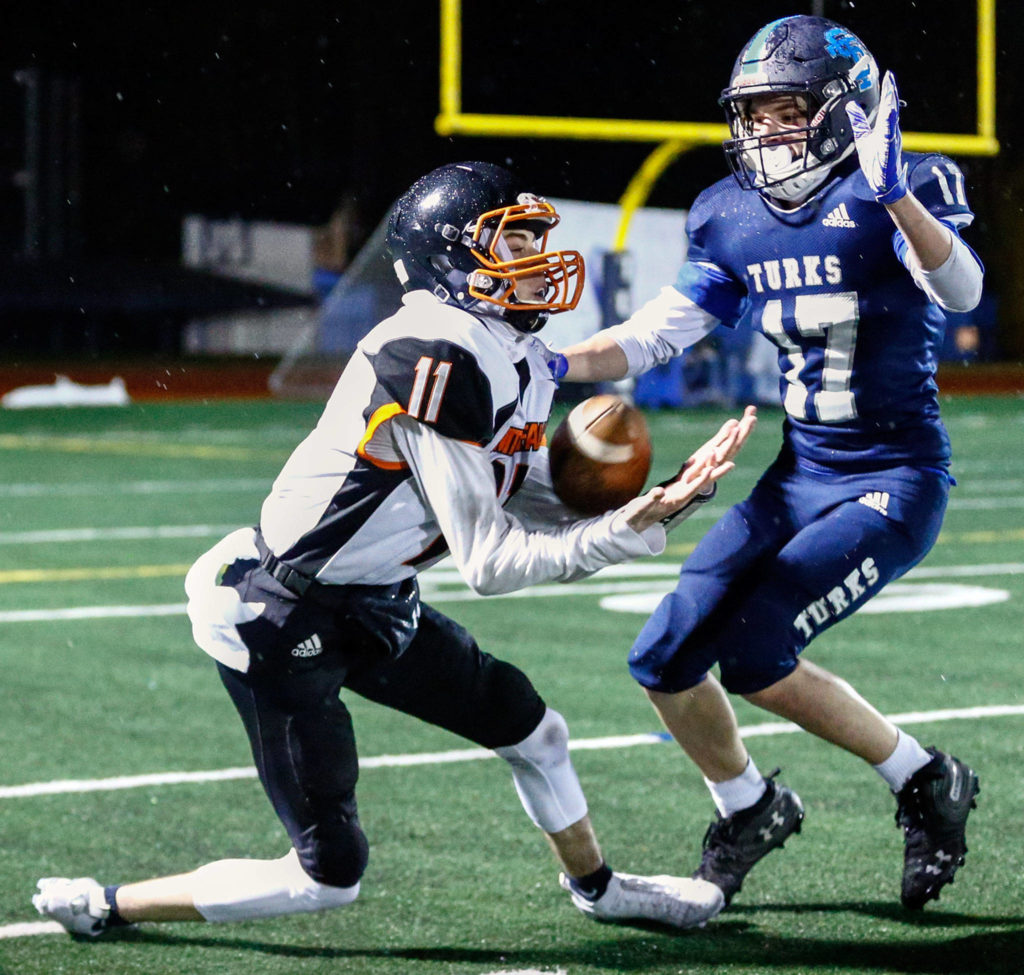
(558,365)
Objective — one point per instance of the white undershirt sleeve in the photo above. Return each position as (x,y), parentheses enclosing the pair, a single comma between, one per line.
(660,330)
(535,504)
(493,550)
(954,285)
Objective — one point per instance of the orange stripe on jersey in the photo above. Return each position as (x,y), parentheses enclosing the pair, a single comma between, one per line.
(380,415)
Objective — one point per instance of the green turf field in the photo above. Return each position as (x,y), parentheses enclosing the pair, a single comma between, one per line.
(103,510)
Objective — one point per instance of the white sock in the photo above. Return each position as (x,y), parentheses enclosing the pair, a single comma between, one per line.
(907,757)
(742,792)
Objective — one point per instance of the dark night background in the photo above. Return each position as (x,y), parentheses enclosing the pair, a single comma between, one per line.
(276,111)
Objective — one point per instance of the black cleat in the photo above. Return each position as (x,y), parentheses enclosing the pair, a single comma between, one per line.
(734,844)
(932,809)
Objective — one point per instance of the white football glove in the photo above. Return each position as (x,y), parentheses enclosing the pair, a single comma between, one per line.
(880,147)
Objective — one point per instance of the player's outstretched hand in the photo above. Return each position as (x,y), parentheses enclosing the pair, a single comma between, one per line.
(668,502)
(880,146)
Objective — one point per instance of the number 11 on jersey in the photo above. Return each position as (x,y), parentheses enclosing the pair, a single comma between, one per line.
(419,388)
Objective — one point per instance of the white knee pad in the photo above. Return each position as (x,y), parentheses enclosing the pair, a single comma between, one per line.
(545,779)
(243,890)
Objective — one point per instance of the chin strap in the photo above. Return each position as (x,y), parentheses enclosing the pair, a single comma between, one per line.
(800,188)
(526,319)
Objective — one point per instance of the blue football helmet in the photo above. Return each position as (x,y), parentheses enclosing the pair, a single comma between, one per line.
(825,67)
(445,234)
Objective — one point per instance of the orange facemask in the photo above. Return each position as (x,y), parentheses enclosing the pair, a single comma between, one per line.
(500,274)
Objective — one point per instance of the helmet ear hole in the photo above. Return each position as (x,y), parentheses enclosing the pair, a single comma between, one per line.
(482,282)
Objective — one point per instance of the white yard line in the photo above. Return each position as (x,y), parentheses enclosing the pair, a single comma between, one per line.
(106,488)
(1011,487)
(140,533)
(89,613)
(437,577)
(120,782)
(29,928)
(965,571)
(984,504)
(32,928)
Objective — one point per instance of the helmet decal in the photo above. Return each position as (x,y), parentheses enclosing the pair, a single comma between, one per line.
(840,43)
(864,78)
(756,48)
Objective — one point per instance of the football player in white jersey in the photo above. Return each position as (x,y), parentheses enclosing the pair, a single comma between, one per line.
(431,444)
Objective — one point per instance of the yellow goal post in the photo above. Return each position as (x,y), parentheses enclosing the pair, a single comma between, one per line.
(674,138)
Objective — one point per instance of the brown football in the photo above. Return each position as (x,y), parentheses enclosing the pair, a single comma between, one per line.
(600,455)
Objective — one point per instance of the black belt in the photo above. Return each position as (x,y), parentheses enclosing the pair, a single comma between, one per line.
(297,583)
(388,613)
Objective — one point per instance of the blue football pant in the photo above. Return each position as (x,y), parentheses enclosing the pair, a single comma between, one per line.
(802,552)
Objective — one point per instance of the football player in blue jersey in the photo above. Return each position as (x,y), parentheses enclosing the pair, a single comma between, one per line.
(431,444)
(844,251)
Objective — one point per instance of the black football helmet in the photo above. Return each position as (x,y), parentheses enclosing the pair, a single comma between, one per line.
(825,67)
(445,235)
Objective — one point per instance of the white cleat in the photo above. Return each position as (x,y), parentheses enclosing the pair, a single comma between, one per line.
(79,905)
(679,901)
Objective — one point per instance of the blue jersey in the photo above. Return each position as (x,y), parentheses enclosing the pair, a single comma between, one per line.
(857,339)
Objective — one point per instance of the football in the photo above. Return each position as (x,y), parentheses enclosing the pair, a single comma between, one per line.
(600,455)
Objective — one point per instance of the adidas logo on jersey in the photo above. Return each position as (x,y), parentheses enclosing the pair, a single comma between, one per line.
(309,648)
(839,217)
(877,501)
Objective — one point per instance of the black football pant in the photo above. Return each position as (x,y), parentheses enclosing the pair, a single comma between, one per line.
(301,733)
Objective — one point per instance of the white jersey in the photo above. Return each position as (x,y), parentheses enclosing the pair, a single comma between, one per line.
(434,442)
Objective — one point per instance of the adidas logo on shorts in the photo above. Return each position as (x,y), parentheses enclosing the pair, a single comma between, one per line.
(309,648)
(839,217)
(877,501)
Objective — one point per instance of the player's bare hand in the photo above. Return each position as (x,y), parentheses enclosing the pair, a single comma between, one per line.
(698,475)
(725,444)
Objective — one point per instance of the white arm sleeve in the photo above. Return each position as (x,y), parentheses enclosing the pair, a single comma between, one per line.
(954,285)
(493,551)
(661,330)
